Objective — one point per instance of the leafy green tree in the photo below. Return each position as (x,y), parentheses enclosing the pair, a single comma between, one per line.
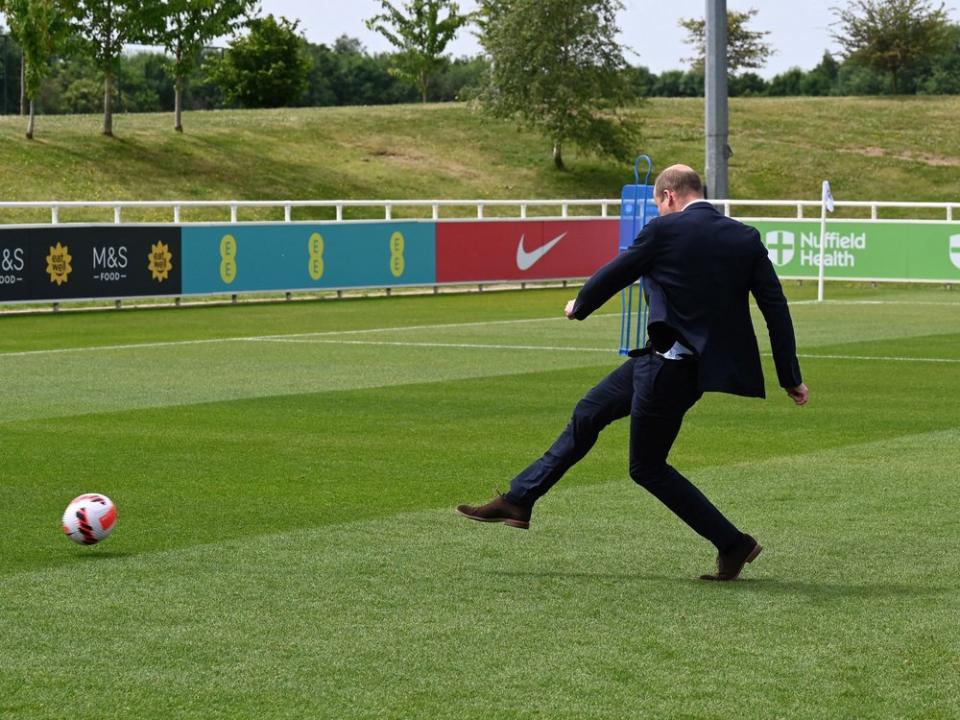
(420,35)
(11,55)
(640,81)
(890,35)
(943,76)
(39,27)
(268,67)
(823,79)
(320,82)
(557,66)
(144,83)
(346,74)
(747,84)
(855,79)
(677,83)
(203,92)
(746,49)
(787,84)
(186,27)
(64,70)
(82,96)
(102,28)
(461,79)
(10,58)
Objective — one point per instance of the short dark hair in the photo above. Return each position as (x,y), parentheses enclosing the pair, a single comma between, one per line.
(683,181)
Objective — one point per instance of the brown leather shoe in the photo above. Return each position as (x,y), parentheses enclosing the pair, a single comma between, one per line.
(731,563)
(498,510)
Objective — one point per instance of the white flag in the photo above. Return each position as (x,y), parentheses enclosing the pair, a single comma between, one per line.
(827,196)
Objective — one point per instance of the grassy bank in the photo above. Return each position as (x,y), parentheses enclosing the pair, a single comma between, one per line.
(870,148)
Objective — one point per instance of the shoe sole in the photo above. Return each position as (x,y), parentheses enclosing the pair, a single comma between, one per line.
(753,554)
(519,524)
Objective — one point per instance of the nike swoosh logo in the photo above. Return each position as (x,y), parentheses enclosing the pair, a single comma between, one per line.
(526,260)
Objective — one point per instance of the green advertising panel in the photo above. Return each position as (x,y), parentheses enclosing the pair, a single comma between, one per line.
(861,250)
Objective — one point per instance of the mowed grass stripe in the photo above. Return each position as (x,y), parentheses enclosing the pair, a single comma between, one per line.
(871,320)
(592,614)
(554,348)
(324,338)
(278,338)
(609,317)
(126,327)
(904,312)
(49,387)
(875,358)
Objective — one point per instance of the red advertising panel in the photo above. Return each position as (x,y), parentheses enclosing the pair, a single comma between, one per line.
(485,251)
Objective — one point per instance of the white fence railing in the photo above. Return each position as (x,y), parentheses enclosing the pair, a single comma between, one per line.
(234,206)
(874,205)
(602,206)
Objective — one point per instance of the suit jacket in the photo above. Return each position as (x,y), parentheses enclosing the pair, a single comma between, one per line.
(706,266)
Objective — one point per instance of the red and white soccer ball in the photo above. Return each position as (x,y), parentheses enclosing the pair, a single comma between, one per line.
(89,519)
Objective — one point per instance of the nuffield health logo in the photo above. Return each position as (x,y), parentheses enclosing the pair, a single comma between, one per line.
(955,250)
(780,247)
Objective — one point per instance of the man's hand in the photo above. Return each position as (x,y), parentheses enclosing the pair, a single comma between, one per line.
(799,394)
(568,310)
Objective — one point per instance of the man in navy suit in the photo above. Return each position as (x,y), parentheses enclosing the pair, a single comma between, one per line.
(704,266)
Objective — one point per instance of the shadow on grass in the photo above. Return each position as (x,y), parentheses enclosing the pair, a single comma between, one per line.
(828,591)
(100,555)
(811,590)
(92,556)
(66,560)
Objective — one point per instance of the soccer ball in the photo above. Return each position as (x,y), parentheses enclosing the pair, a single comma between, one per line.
(89,519)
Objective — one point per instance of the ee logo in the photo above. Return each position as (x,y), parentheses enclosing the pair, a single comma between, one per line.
(228,259)
(315,248)
(397,262)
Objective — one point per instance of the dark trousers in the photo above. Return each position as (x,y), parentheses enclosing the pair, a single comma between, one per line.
(655,393)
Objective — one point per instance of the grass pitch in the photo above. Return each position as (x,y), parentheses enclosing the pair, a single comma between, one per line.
(286,548)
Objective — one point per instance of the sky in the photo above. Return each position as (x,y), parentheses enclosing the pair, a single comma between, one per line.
(648,27)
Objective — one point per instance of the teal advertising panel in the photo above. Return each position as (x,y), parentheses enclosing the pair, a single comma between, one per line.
(252,258)
(858,250)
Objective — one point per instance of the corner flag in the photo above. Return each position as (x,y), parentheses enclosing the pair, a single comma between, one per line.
(827,196)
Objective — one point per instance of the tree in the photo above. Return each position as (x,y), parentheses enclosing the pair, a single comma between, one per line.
(187,26)
(557,66)
(144,83)
(677,83)
(420,35)
(268,67)
(823,79)
(747,84)
(461,79)
(347,75)
(890,35)
(9,59)
(943,77)
(39,28)
(102,28)
(746,49)
(854,79)
(640,81)
(787,84)
(5,61)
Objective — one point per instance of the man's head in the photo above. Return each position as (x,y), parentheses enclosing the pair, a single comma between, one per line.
(675,187)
